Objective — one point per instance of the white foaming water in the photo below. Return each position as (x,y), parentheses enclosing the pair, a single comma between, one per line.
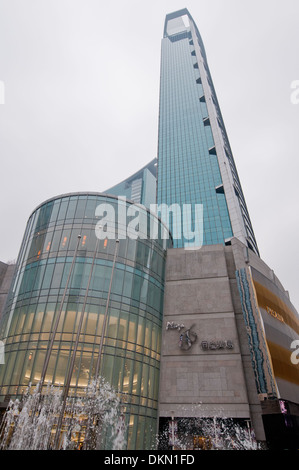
(93,421)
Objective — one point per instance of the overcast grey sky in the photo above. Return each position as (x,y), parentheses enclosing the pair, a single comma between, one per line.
(81,105)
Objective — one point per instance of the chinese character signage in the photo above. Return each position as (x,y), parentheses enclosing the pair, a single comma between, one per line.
(214,345)
(187,337)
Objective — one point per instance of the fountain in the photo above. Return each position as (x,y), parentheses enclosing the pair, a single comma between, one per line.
(56,420)
(214,433)
(93,421)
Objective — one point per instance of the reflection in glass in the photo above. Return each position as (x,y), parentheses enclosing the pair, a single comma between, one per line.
(132,336)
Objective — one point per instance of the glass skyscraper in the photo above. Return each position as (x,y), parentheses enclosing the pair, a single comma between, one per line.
(140,187)
(228,321)
(195,162)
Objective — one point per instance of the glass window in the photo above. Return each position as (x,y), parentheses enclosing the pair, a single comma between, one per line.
(29,319)
(118,372)
(38,318)
(86,274)
(48,317)
(137,378)
(97,282)
(63,209)
(122,248)
(107,277)
(140,331)
(128,376)
(17,369)
(65,239)
(118,279)
(90,207)
(128,280)
(112,326)
(37,245)
(91,241)
(132,329)
(77,275)
(140,432)
(148,334)
(123,326)
(47,242)
(140,253)
(85,242)
(144,289)
(18,314)
(84,367)
(55,211)
(107,367)
(22,318)
(74,239)
(8,369)
(57,275)
(131,249)
(48,276)
(92,320)
(136,287)
(70,317)
(66,271)
(154,339)
(28,363)
(62,364)
(56,241)
(71,208)
(144,380)
(44,216)
(80,210)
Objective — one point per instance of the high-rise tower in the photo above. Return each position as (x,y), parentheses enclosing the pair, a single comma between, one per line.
(229,327)
(195,161)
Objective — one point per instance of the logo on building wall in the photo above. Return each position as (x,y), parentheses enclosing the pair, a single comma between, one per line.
(187,337)
(174,326)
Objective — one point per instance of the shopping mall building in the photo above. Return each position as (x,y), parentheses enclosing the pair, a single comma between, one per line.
(191,327)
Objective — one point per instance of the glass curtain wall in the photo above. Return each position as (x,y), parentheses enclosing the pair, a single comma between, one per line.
(195,161)
(131,348)
(188,171)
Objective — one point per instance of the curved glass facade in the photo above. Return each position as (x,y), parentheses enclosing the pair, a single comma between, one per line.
(53,277)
